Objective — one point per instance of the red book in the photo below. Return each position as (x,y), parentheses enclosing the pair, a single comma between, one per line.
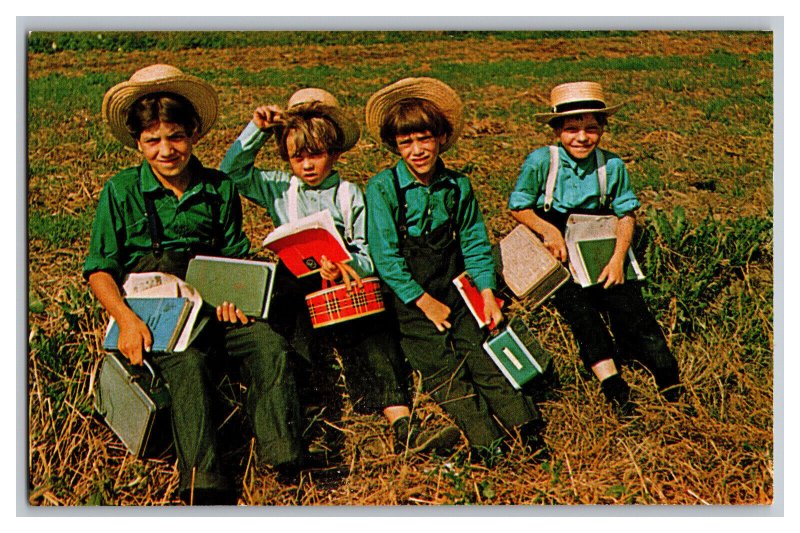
(301,244)
(472,297)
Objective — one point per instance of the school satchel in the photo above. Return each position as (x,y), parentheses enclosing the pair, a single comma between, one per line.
(517,353)
(529,271)
(134,402)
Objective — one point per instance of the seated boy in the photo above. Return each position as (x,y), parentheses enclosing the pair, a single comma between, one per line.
(311,135)
(155,217)
(578,119)
(425,228)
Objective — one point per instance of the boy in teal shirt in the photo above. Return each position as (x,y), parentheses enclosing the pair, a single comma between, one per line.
(425,228)
(311,135)
(578,119)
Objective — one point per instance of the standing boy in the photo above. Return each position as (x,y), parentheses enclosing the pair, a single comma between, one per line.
(155,217)
(578,119)
(425,228)
(311,135)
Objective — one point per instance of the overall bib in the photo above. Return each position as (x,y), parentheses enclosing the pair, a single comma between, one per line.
(457,373)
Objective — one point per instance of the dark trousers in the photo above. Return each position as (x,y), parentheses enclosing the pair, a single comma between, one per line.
(460,376)
(271,401)
(636,332)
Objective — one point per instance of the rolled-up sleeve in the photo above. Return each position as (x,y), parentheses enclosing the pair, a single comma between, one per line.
(106,241)
(530,183)
(619,188)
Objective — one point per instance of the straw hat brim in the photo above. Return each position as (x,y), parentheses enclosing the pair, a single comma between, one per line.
(433,90)
(118,100)
(547,117)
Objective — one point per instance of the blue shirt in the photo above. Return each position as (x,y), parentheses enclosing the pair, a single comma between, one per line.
(576,185)
(426,211)
(270,188)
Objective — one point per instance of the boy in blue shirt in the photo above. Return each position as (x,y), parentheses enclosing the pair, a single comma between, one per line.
(578,119)
(311,134)
(425,228)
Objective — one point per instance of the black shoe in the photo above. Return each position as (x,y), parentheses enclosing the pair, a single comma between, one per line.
(618,394)
(288,473)
(409,439)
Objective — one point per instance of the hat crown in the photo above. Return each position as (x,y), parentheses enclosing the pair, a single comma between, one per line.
(580,91)
(155,73)
(312,94)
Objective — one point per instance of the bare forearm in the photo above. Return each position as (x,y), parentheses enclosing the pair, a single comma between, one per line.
(108,294)
(625,228)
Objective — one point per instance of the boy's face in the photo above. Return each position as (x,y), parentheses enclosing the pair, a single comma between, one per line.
(167,147)
(420,151)
(313,169)
(580,135)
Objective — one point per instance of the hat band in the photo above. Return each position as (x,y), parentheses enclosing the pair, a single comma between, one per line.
(581,104)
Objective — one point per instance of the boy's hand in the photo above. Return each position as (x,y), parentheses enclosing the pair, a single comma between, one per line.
(133,336)
(333,271)
(228,312)
(266,117)
(490,308)
(554,242)
(613,273)
(435,311)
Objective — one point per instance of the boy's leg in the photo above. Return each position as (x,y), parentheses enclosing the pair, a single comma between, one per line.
(188,378)
(509,405)
(271,402)
(445,376)
(580,309)
(638,333)
(370,350)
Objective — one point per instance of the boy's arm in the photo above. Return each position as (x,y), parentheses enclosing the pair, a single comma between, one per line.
(239,164)
(384,245)
(614,271)
(551,237)
(134,335)
(362,262)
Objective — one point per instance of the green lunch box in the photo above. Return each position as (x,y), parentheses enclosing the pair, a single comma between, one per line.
(134,402)
(517,353)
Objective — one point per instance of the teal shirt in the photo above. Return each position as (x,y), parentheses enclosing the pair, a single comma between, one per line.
(120,235)
(576,186)
(269,189)
(426,211)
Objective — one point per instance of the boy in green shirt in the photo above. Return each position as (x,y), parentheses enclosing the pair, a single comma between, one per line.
(311,134)
(154,218)
(425,228)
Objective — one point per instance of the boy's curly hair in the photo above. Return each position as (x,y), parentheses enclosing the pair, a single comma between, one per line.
(311,129)
(413,115)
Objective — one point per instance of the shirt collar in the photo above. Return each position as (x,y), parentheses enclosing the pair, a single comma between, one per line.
(328,183)
(580,168)
(150,183)
(407,179)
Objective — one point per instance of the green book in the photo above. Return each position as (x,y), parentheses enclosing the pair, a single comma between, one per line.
(595,255)
(246,283)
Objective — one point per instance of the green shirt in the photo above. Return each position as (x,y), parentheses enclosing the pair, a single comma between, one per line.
(576,185)
(270,188)
(426,211)
(121,234)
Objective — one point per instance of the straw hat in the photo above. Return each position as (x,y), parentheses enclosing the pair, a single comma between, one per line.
(576,98)
(433,90)
(331,109)
(153,79)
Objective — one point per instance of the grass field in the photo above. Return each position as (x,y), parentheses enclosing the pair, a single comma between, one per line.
(697,136)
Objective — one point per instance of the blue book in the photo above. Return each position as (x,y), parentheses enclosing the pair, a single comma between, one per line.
(165,317)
